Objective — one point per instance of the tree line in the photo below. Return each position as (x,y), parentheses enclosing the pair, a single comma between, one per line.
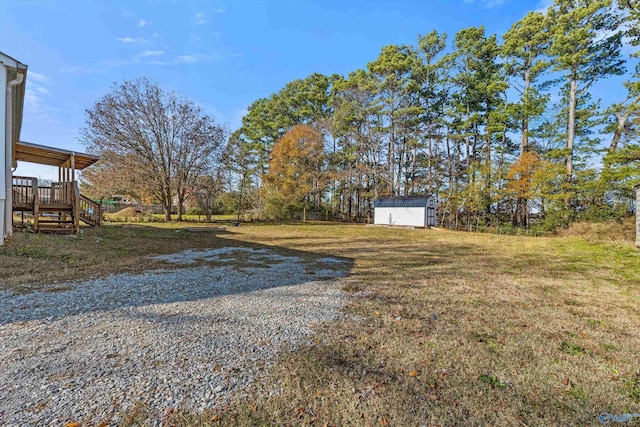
(501,130)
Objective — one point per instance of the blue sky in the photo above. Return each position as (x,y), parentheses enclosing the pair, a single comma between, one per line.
(222,54)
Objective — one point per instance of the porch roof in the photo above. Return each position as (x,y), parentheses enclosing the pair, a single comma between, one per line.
(35,153)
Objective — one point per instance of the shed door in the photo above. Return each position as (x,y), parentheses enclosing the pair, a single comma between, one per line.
(431,213)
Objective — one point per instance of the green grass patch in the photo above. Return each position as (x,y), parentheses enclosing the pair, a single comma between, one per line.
(492,381)
(573,349)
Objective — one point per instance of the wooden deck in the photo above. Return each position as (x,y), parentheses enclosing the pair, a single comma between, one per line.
(58,207)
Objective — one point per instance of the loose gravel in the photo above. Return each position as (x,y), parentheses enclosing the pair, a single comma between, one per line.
(180,338)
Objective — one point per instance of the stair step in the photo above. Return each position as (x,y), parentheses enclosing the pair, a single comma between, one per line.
(57,230)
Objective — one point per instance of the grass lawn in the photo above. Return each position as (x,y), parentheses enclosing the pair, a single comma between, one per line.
(444,328)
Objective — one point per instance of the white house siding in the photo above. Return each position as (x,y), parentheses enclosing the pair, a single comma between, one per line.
(3,162)
(414,217)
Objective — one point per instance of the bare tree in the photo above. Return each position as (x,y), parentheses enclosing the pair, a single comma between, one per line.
(116,174)
(207,190)
(167,140)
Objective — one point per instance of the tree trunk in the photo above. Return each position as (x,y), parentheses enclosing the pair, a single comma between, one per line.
(167,208)
(180,204)
(521,203)
(524,141)
(617,135)
(167,199)
(571,127)
(391,161)
(240,197)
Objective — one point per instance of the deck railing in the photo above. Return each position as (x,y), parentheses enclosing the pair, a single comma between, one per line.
(24,188)
(61,197)
(58,193)
(90,211)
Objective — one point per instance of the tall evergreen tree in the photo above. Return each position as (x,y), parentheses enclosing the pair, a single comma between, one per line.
(585,47)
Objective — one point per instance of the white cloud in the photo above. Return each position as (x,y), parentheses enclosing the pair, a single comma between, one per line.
(143,23)
(42,90)
(487,3)
(186,58)
(152,53)
(236,118)
(116,62)
(197,57)
(38,77)
(544,5)
(75,69)
(34,97)
(219,10)
(32,100)
(160,57)
(132,40)
(200,19)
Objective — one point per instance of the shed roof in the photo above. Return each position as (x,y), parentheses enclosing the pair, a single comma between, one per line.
(34,153)
(402,202)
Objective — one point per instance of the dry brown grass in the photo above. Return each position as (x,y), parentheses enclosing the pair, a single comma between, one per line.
(35,261)
(461,329)
(611,231)
(128,212)
(445,328)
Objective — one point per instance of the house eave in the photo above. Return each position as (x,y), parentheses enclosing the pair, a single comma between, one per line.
(13,67)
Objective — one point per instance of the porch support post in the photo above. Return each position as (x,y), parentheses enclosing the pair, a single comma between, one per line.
(36,206)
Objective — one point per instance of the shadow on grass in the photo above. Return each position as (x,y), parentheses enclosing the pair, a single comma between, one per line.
(292,257)
(195,274)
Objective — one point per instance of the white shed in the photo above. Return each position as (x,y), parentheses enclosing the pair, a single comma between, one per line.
(413,211)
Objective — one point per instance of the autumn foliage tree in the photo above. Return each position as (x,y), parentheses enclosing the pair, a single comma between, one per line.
(519,186)
(296,171)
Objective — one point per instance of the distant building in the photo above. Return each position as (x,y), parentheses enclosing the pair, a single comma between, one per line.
(412,211)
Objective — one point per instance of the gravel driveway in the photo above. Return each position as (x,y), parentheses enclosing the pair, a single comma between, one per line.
(184,337)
